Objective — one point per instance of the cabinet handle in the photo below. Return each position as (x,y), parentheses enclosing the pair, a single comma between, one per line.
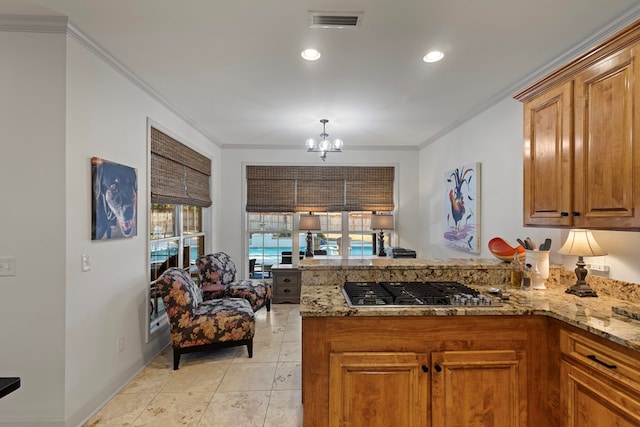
(287,280)
(424,368)
(564,213)
(286,291)
(438,368)
(574,213)
(595,359)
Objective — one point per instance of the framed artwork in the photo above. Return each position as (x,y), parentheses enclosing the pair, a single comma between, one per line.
(115,200)
(462,208)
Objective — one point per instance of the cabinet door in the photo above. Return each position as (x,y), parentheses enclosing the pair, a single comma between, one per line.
(590,401)
(479,388)
(547,157)
(607,145)
(378,389)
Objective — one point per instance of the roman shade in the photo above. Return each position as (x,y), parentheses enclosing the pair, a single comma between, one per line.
(179,175)
(319,188)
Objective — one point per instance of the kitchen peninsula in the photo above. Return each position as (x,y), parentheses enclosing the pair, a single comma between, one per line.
(539,357)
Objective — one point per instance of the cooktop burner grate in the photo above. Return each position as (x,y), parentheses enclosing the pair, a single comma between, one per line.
(361,294)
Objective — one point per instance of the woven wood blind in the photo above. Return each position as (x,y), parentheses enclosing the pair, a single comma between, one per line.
(179,175)
(319,188)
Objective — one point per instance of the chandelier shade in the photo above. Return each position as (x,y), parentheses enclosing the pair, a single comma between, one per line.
(324,145)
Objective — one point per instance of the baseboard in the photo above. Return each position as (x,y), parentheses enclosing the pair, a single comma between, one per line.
(113,388)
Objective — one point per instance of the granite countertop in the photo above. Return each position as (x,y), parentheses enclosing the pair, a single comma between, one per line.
(333,263)
(610,317)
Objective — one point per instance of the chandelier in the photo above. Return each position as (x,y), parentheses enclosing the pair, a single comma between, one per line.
(324,146)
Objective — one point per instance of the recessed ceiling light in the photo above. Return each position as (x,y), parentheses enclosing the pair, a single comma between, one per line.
(433,56)
(311,54)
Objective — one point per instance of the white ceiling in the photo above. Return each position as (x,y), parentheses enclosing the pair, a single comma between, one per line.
(233,69)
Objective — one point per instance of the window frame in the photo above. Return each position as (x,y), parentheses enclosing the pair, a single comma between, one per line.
(160,323)
(179,237)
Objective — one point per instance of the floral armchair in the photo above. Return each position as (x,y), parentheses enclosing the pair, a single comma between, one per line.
(218,278)
(198,325)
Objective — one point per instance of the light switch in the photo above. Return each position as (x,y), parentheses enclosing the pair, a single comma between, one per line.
(85,262)
(7,266)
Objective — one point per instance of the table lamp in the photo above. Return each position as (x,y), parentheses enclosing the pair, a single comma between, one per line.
(381,222)
(310,223)
(581,243)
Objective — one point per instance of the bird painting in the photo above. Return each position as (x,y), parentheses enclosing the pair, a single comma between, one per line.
(461,208)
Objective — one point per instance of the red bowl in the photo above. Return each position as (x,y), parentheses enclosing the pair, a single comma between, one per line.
(504,251)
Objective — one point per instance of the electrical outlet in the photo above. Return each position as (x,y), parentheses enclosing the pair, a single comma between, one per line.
(85,263)
(7,266)
(120,345)
(599,267)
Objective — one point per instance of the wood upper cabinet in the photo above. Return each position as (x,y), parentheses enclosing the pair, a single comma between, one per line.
(582,142)
(607,142)
(548,159)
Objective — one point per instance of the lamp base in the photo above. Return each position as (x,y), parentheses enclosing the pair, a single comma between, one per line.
(381,251)
(581,288)
(309,252)
(581,291)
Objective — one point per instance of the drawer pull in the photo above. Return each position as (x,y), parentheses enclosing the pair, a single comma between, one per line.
(595,359)
(287,280)
(286,291)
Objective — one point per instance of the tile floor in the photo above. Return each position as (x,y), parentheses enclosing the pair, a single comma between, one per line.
(220,388)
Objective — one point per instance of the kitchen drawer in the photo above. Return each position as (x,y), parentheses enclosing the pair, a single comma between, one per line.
(609,361)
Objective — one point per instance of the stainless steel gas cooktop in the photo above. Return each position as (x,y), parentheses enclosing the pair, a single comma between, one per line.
(414,294)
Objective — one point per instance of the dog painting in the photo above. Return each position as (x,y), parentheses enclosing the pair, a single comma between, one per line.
(115,199)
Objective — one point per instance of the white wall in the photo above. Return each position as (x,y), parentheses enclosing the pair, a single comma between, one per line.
(494,138)
(62,105)
(406,161)
(32,224)
(107,117)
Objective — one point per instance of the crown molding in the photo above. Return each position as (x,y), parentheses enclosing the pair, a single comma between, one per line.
(34,23)
(614,26)
(86,41)
(302,147)
(61,25)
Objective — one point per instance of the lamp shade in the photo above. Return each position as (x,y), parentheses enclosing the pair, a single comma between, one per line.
(309,222)
(382,222)
(581,243)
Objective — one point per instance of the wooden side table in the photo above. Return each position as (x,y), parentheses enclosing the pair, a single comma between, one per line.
(286,284)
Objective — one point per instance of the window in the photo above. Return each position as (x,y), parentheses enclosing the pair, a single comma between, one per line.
(342,234)
(344,198)
(269,236)
(180,194)
(176,240)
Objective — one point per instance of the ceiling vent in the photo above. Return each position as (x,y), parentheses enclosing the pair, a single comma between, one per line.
(334,19)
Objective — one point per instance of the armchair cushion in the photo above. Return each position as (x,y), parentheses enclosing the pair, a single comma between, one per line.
(181,288)
(219,269)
